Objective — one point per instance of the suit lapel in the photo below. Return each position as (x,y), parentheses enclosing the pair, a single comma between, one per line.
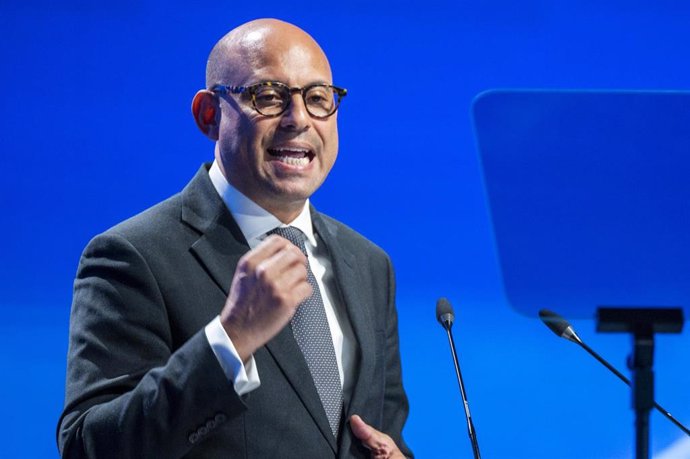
(218,256)
(359,312)
(221,243)
(219,247)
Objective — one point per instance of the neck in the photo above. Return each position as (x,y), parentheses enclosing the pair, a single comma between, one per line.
(284,209)
(286,214)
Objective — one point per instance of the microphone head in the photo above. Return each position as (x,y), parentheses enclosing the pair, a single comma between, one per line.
(444,313)
(558,325)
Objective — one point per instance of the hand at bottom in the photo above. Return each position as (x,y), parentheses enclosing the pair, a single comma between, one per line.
(381,445)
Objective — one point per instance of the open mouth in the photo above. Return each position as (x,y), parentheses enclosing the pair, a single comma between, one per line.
(292,156)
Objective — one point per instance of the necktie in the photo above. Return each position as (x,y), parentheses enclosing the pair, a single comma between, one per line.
(313,335)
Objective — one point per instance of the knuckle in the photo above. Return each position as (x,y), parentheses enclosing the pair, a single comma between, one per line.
(244,264)
(272,239)
(261,271)
(263,275)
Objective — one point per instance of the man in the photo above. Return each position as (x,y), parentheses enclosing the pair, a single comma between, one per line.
(199,331)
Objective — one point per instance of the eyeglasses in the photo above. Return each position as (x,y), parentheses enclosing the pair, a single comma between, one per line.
(272,98)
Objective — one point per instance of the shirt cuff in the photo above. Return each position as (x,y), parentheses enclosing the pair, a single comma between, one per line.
(245,378)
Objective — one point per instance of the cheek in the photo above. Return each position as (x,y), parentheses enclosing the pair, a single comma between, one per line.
(333,146)
(330,142)
(257,133)
(238,126)
(334,136)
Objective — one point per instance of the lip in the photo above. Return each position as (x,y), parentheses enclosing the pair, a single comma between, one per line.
(292,146)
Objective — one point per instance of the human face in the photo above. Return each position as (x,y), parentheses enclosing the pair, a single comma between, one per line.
(278,162)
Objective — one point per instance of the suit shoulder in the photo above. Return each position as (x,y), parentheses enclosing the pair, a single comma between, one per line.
(351,237)
(151,227)
(152,220)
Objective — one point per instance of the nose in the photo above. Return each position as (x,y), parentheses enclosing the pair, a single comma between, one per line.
(296,116)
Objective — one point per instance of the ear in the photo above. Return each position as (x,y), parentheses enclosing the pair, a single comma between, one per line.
(206,111)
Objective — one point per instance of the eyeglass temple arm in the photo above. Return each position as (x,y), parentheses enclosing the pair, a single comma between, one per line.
(228,89)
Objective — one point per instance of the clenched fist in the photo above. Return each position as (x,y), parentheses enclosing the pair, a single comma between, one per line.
(269,284)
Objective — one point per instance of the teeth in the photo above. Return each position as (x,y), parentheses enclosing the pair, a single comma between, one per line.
(294,161)
(293,156)
(292,151)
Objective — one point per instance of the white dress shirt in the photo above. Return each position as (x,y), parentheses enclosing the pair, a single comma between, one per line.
(255,222)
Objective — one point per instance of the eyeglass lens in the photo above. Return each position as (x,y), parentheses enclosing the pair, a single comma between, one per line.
(270,100)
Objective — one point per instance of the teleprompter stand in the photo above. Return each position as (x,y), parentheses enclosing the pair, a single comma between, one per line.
(642,323)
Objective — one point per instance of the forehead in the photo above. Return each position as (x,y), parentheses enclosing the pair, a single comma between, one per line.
(290,57)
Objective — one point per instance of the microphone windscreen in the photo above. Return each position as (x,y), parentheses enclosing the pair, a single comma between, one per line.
(444,311)
(556,323)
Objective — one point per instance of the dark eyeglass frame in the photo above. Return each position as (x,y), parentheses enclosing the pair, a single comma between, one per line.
(252,90)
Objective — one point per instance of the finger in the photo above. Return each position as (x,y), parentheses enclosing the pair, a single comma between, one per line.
(381,445)
(288,263)
(266,249)
(291,282)
(301,292)
(270,245)
(283,277)
(361,429)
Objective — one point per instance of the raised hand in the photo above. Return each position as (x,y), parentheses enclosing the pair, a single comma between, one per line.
(269,284)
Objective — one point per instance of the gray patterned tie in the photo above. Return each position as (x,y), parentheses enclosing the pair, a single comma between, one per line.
(312,333)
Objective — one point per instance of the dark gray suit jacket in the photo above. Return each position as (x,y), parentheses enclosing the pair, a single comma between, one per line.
(142,380)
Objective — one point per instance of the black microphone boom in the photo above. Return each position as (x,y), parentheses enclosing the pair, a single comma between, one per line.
(445,316)
(562,328)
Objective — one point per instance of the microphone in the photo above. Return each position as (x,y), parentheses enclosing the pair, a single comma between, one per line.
(446,317)
(444,313)
(559,326)
(562,328)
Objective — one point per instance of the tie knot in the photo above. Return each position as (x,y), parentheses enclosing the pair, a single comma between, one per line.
(292,234)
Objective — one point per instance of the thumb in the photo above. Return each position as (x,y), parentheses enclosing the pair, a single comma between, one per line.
(361,429)
(378,443)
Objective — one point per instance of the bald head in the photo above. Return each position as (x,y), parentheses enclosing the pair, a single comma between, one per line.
(279,160)
(258,44)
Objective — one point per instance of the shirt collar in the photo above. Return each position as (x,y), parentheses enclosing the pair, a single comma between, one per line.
(255,221)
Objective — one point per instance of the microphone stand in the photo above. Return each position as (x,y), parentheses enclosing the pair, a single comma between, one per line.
(470,426)
(642,323)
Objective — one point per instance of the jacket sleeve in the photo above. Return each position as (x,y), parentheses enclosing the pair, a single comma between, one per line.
(131,391)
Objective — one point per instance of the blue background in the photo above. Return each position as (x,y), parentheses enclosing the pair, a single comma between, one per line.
(95,126)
